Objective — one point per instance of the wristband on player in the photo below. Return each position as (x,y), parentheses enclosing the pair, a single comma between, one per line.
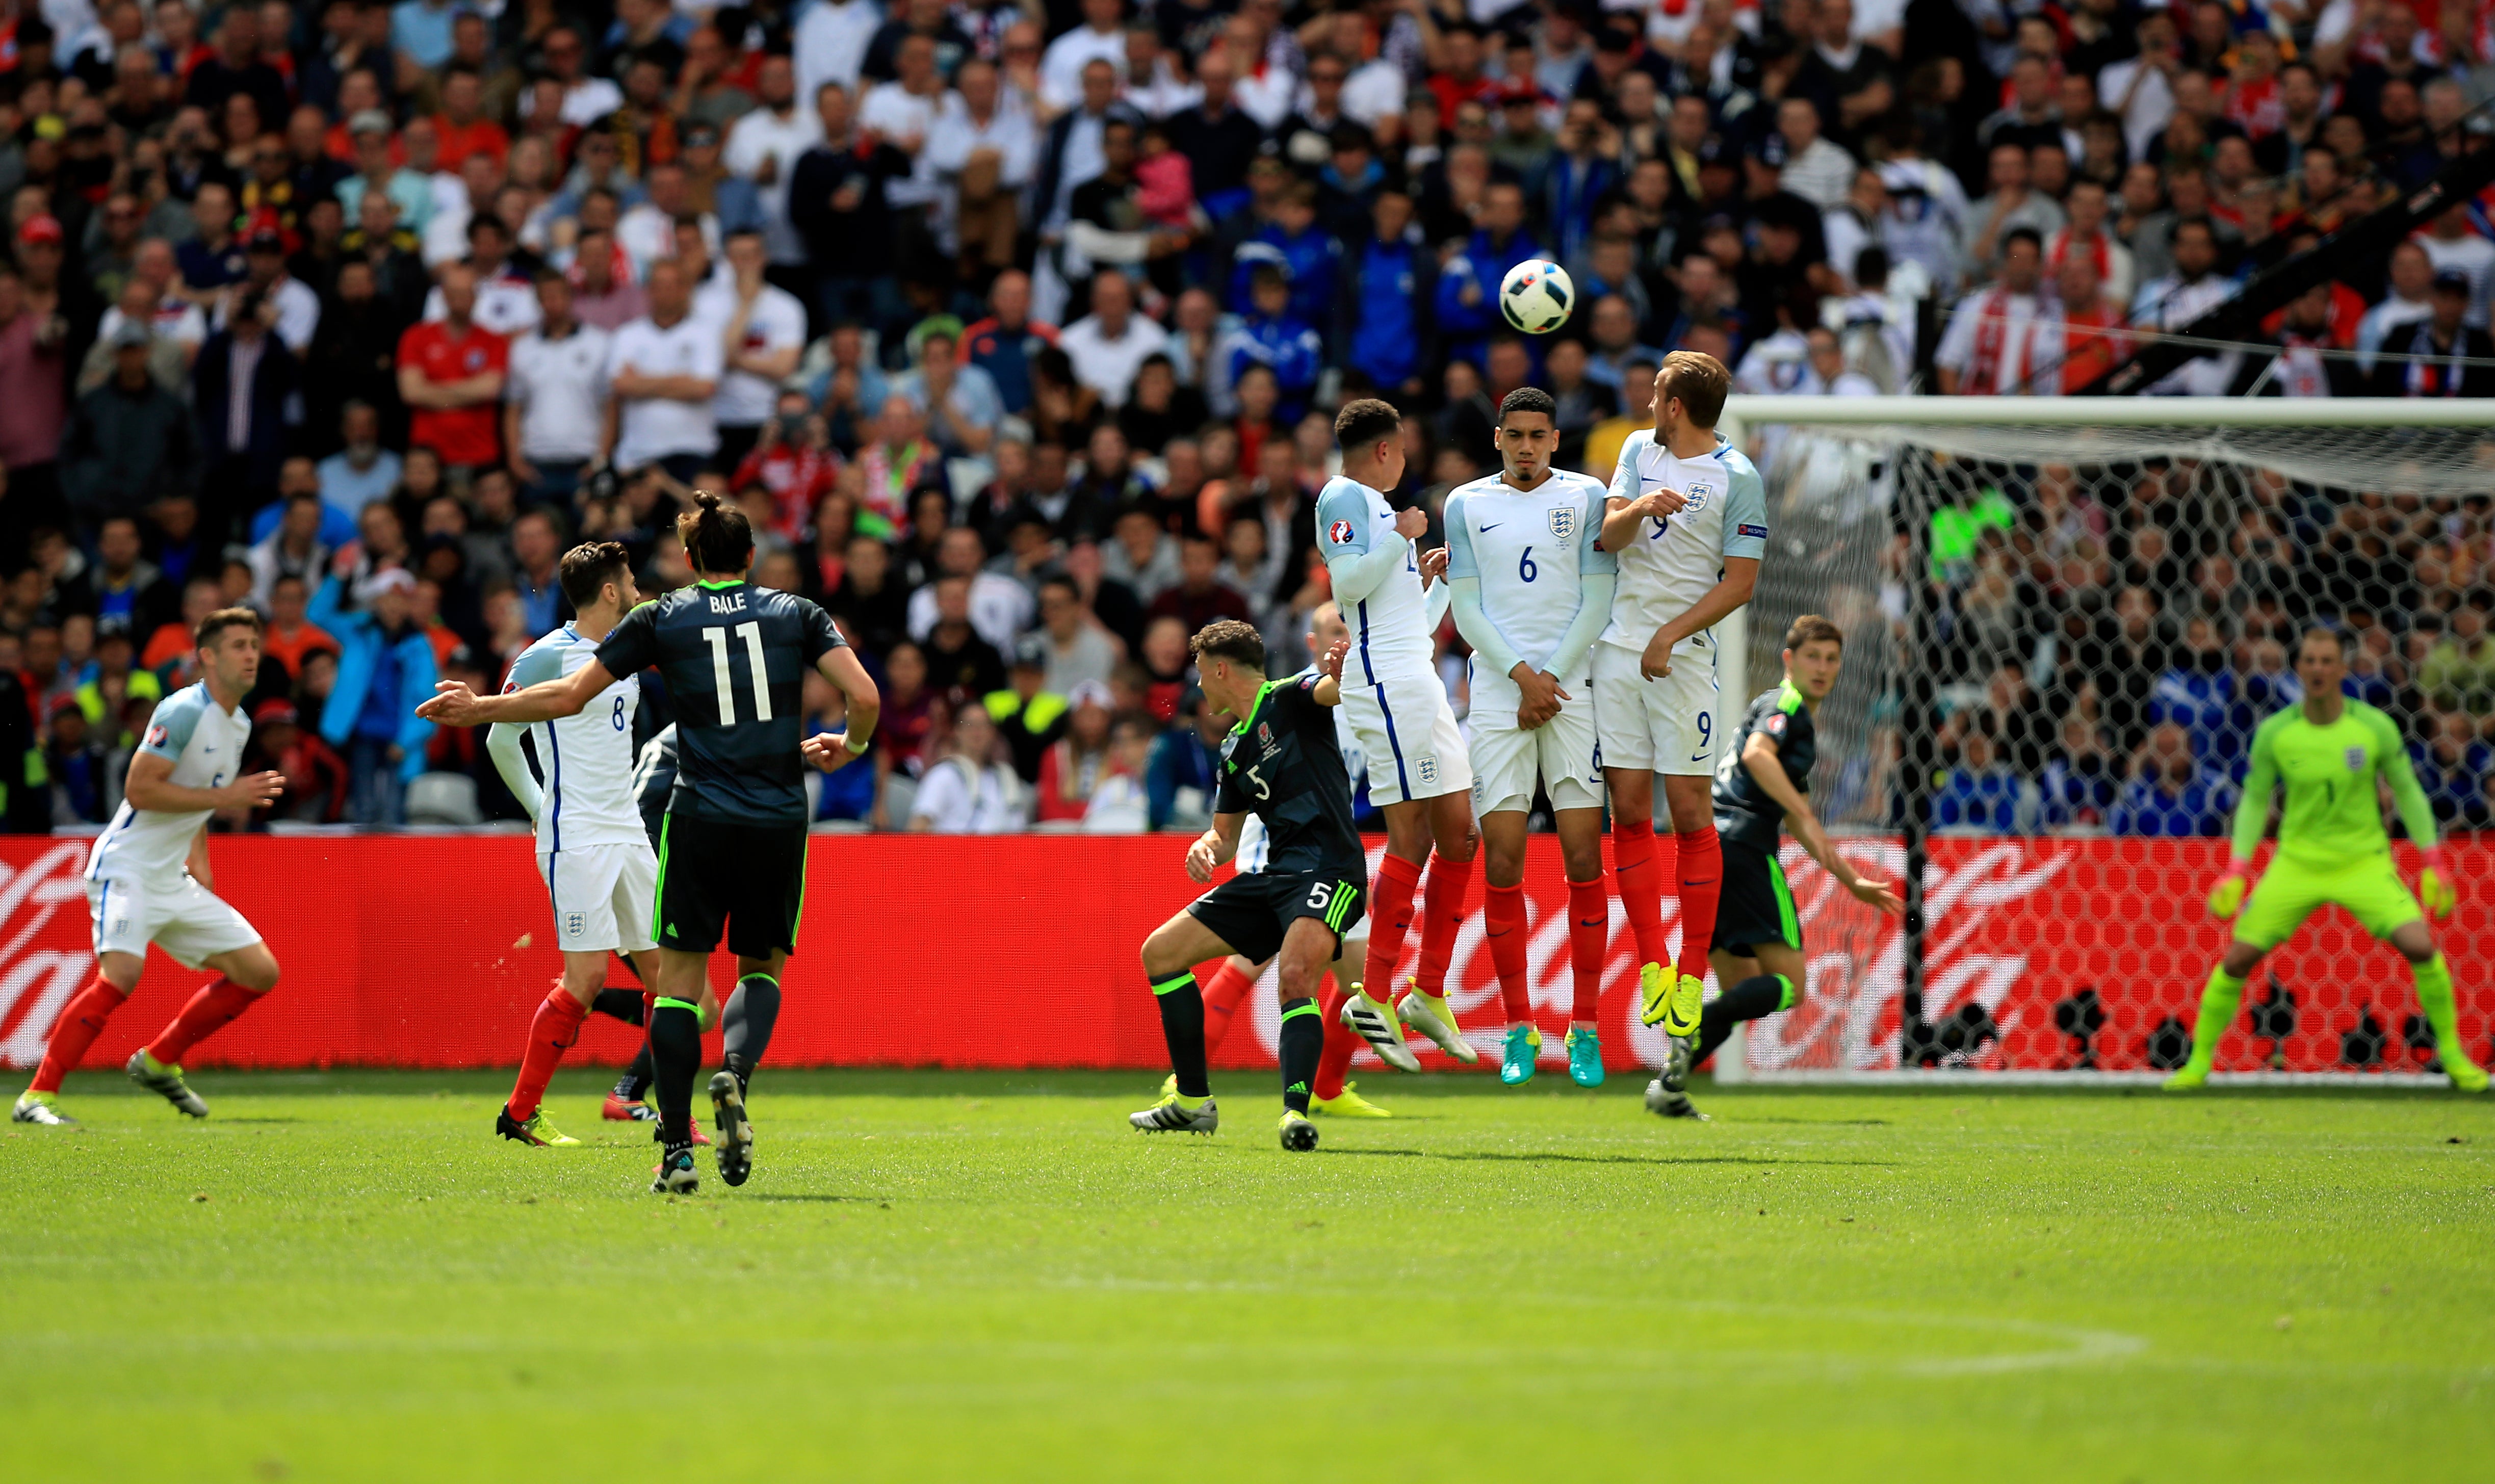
(855,747)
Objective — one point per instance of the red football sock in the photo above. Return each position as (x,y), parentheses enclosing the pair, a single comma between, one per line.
(1701,881)
(1503,922)
(208,1012)
(81,1022)
(1640,863)
(551,1035)
(1589,941)
(1442,916)
(1221,998)
(1341,1042)
(1390,918)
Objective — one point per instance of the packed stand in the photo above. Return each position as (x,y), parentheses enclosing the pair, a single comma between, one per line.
(1015,326)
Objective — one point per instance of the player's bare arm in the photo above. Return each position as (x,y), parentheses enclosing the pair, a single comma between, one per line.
(1214,847)
(831,751)
(1733,589)
(149,785)
(1328,691)
(455,705)
(1621,518)
(196,864)
(1766,767)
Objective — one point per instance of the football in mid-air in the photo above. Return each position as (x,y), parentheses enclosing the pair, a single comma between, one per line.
(1536,295)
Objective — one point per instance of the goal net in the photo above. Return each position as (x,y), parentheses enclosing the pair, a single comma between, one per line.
(2064,619)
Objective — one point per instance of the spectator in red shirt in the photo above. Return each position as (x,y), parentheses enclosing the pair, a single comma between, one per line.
(462,125)
(794,461)
(450,376)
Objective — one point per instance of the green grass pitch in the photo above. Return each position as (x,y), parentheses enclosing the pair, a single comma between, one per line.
(945,1277)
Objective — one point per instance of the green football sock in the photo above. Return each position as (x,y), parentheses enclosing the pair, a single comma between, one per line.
(2434,995)
(2218,1005)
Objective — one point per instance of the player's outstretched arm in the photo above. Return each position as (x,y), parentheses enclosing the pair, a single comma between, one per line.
(1766,767)
(454,705)
(830,751)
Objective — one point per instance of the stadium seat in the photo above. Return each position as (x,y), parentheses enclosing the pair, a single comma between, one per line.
(444,799)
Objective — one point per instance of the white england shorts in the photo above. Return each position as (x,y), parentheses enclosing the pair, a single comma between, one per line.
(1561,752)
(1408,735)
(1670,724)
(187,920)
(606,896)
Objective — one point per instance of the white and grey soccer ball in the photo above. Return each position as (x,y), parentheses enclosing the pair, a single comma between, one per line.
(1536,296)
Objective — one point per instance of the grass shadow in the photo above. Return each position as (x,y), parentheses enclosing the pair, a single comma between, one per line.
(1406,1153)
(811,1195)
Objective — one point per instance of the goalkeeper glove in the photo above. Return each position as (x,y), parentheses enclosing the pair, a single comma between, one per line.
(2228,894)
(2434,886)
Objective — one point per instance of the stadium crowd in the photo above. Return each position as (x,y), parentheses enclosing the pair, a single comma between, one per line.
(1014,326)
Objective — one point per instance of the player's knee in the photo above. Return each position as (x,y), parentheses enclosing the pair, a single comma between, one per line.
(1584,865)
(1159,962)
(1296,981)
(259,976)
(2241,959)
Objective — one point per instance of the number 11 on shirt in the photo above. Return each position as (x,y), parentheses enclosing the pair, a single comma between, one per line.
(752,635)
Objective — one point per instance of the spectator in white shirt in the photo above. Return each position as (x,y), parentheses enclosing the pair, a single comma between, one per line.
(2141,91)
(557,415)
(648,231)
(830,45)
(762,331)
(764,146)
(984,151)
(968,791)
(1099,38)
(586,97)
(1108,345)
(1001,607)
(904,112)
(664,368)
(507,301)
(2410,300)
(2000,338)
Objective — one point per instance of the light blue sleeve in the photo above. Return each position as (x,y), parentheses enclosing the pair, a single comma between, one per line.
(1461,561)
(1474,622)
(1433,604)
(1745,511)
(1591,558)
(1358,565)
(502,745)
(540,663)
(175,718)
(1341,509)
(1624,477)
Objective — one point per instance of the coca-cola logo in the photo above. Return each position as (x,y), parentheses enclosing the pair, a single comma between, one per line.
(43,952)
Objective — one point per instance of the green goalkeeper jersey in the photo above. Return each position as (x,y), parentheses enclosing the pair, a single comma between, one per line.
(2334,811)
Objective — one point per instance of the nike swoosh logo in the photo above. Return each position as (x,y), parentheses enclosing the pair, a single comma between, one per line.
(1494,525)
(1709,882)
(1589,921)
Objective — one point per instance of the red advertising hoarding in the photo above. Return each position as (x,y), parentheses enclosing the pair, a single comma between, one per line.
(1019,952)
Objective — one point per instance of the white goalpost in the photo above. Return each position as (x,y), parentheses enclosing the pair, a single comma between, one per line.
(2063,617)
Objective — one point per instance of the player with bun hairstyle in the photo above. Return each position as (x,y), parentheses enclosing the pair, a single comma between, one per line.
(732,850)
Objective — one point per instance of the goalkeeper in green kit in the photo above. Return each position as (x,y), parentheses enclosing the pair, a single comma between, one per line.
(2328,753)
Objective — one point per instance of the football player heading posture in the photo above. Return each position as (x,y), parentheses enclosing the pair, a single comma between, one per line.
(147,877)
(732,852)
(2332,755)
(1761,790)
(601,873)
(1281,763)
(1418,770)
(1687,520)
(1532,589)
(1231,982)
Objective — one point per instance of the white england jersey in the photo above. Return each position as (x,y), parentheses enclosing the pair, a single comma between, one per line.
(1531,550)
(588,759)
(1672,560)
(205,745)
(1390,628)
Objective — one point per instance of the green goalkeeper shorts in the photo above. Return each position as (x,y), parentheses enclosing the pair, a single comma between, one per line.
(2369,887)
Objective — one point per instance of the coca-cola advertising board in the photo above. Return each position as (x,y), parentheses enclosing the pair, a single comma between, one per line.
(1020,951)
